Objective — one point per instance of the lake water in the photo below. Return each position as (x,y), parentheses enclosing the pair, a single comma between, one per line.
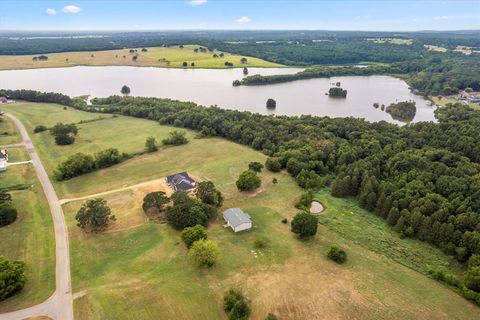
(214,87)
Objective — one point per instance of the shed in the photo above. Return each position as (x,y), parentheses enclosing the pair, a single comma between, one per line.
(238,220)
(181,181)
(3,160)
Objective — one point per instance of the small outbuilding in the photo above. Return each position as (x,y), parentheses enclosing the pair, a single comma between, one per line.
(238,220)
(181,181)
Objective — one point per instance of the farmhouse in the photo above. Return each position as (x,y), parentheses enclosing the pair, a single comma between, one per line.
(238,220)
(181,181)
(3,160)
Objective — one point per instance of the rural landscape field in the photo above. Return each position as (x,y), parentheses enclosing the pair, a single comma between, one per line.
(351,191)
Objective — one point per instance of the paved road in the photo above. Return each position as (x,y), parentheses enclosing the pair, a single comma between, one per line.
(60,305)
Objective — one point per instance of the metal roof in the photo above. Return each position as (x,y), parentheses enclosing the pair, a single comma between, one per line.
(236,217)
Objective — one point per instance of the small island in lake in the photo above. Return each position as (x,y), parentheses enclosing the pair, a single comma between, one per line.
(403,111)
(337,92)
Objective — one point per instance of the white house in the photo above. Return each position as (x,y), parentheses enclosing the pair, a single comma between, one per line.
(3,160)
(238,220)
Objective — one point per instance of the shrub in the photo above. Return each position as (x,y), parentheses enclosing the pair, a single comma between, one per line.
(235,304)
(271,316)
(107,158)
(40,128)
(255,166)
(285,220)
(75,165)
(304,225)
(261,242)
(248,181)
(94,215)
(240,311)
(12,277)
(305,200)
(151,144)
(336,254)
(204,253)
(274,181)
(192,234)
(474,261)
(8,214)
(273,164)
(176,138)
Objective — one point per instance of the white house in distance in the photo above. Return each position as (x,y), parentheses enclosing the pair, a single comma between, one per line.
(3,160)
(238,220)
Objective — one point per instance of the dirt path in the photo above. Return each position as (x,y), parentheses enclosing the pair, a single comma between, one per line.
(60,305)
(160,182)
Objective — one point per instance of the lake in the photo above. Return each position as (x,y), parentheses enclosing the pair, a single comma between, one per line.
(214,87)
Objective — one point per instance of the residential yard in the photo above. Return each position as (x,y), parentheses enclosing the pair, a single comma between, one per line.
(30,238)
(443,101)
(138,269)
(172,57)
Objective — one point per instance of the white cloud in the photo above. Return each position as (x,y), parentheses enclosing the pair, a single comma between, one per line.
(243,20)
(51,12)
(443,17)
(71,9)
(197,2)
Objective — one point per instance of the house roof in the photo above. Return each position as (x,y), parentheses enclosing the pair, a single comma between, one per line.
(236,217)
(2,156)
(181,181)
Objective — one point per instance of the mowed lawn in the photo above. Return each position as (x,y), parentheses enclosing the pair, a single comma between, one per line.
(30,238)
(172,57)
(8,132)
(139,269)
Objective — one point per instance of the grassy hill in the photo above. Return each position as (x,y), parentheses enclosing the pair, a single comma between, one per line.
(172,57)
(139,268)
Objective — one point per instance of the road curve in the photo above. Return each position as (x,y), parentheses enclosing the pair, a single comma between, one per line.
(60,305)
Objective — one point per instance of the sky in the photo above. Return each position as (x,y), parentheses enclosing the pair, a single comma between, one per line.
(373,15)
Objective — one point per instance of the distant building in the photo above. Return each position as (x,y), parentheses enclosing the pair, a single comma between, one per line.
(3,160)
(181,181)
(5,100)
(238,220)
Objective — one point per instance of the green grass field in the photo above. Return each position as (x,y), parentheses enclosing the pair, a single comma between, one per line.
(139,269)
(8,132)
(171,57)
(30,238)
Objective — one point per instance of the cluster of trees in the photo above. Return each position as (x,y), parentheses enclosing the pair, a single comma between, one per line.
(403,111)
(12,275)
(40,58)
(81,163)
(337,92)
(64,134)
(94,215)
(8,213)
(176,138)
(48,97)
(189,212)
